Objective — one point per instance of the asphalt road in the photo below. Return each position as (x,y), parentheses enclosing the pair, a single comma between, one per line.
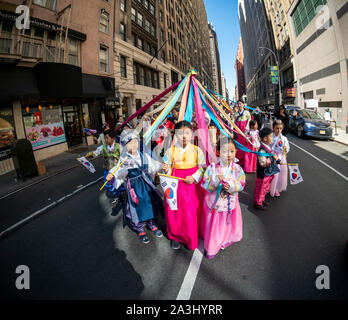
(79,249)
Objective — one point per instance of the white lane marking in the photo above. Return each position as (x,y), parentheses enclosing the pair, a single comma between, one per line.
(53,204)
(321,161)
(191,274)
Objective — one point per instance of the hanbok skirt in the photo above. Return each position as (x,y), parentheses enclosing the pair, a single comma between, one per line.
(183,224)
(250,160)
(221,229)
(280,180)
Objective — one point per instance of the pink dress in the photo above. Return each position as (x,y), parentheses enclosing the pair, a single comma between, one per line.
(241,121)
(222,223)
(250,159)
(280,146)
(183,224)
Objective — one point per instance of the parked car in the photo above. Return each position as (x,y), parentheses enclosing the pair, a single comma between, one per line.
(309,123)
(291,107)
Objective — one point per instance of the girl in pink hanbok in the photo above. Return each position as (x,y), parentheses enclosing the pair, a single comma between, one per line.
(187,161)
(222,217)
(250,159)
(280,146)
(241,119)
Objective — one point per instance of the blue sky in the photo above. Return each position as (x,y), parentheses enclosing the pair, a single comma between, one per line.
(224,16)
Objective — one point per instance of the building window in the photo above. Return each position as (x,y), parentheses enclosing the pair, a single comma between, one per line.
(149,78)
(134,15)
(124,5)
(153,30)
(6,38)
(162,36)
(304,13)
(147,25)
(161,16)
(123,32)
(135,74)
(134,39)
(148,48)
(140,19)
(164,56)
(73,52)
(155,80)
(140,43)
(103,58)
(165,80)
(152,9)
(49,4)
(146,4)
(142,76)
(104,21)
(123,67)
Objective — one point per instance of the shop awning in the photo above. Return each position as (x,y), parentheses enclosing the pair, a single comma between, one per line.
(58,80)
(97,86)
(17,83)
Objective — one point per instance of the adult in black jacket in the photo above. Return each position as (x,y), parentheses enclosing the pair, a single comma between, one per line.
(283,116)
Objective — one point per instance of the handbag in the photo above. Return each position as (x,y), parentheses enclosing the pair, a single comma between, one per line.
(132,193)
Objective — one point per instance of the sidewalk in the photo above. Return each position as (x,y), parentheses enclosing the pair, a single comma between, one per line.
(342,136)
(55,165)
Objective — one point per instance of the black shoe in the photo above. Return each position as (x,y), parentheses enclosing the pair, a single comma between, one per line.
(175,245)
(265,203)
(260,207)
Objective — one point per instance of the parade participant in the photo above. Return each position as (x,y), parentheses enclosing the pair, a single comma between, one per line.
(280,146)
(101,138)
(185,160)
(175,115)
(266,168)
(222,223)
(241,119)
(111,153)
(144,201)
(250,159)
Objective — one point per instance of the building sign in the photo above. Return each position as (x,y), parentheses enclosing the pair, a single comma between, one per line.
(274,74)
(290,92)
(11,16)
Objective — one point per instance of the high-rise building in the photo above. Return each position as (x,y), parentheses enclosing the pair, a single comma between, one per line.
(239,66)
(258,45)
(56,73)
(157,43)
(224,85)
(318,31)
(277,18)
(215,57)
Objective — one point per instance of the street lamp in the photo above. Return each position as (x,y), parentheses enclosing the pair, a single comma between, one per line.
(276,60)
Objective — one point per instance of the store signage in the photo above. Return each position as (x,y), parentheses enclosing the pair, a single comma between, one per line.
(290,92)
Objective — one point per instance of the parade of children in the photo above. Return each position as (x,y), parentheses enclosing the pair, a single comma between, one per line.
(205,191)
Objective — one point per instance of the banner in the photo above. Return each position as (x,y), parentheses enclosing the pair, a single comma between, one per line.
(170,187)
(46,135)
(295,174)
(89,166)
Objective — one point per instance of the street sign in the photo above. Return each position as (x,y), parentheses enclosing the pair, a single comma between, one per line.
(274,74)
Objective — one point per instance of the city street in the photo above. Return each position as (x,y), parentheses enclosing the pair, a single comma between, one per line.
(79,249)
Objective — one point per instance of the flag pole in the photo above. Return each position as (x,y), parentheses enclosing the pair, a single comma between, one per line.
(113,174)
(165,175)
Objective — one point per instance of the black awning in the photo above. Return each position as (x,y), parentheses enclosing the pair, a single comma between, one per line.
(58,80)
(17,83)
(97,86)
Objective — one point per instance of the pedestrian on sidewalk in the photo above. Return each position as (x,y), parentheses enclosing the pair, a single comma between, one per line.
(222,223)
(111,153)
(280,146)
(267,167)
(187,161)
(144,201)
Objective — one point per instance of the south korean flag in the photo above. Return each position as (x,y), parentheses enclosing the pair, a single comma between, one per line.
(89,166)
(170,187)
(295,174)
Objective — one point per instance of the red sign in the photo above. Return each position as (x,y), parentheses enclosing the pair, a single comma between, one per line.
(38,118)
(290,92)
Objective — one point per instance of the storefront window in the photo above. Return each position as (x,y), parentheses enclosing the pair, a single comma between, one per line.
(7,130)
(43,125)
(86,120)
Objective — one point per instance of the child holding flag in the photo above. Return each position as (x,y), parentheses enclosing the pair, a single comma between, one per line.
(136,171)
(222,222)
(280,146)
(111,152)
(185,160)
(267,167)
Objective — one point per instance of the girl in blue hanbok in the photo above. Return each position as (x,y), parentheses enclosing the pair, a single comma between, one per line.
(136,173)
